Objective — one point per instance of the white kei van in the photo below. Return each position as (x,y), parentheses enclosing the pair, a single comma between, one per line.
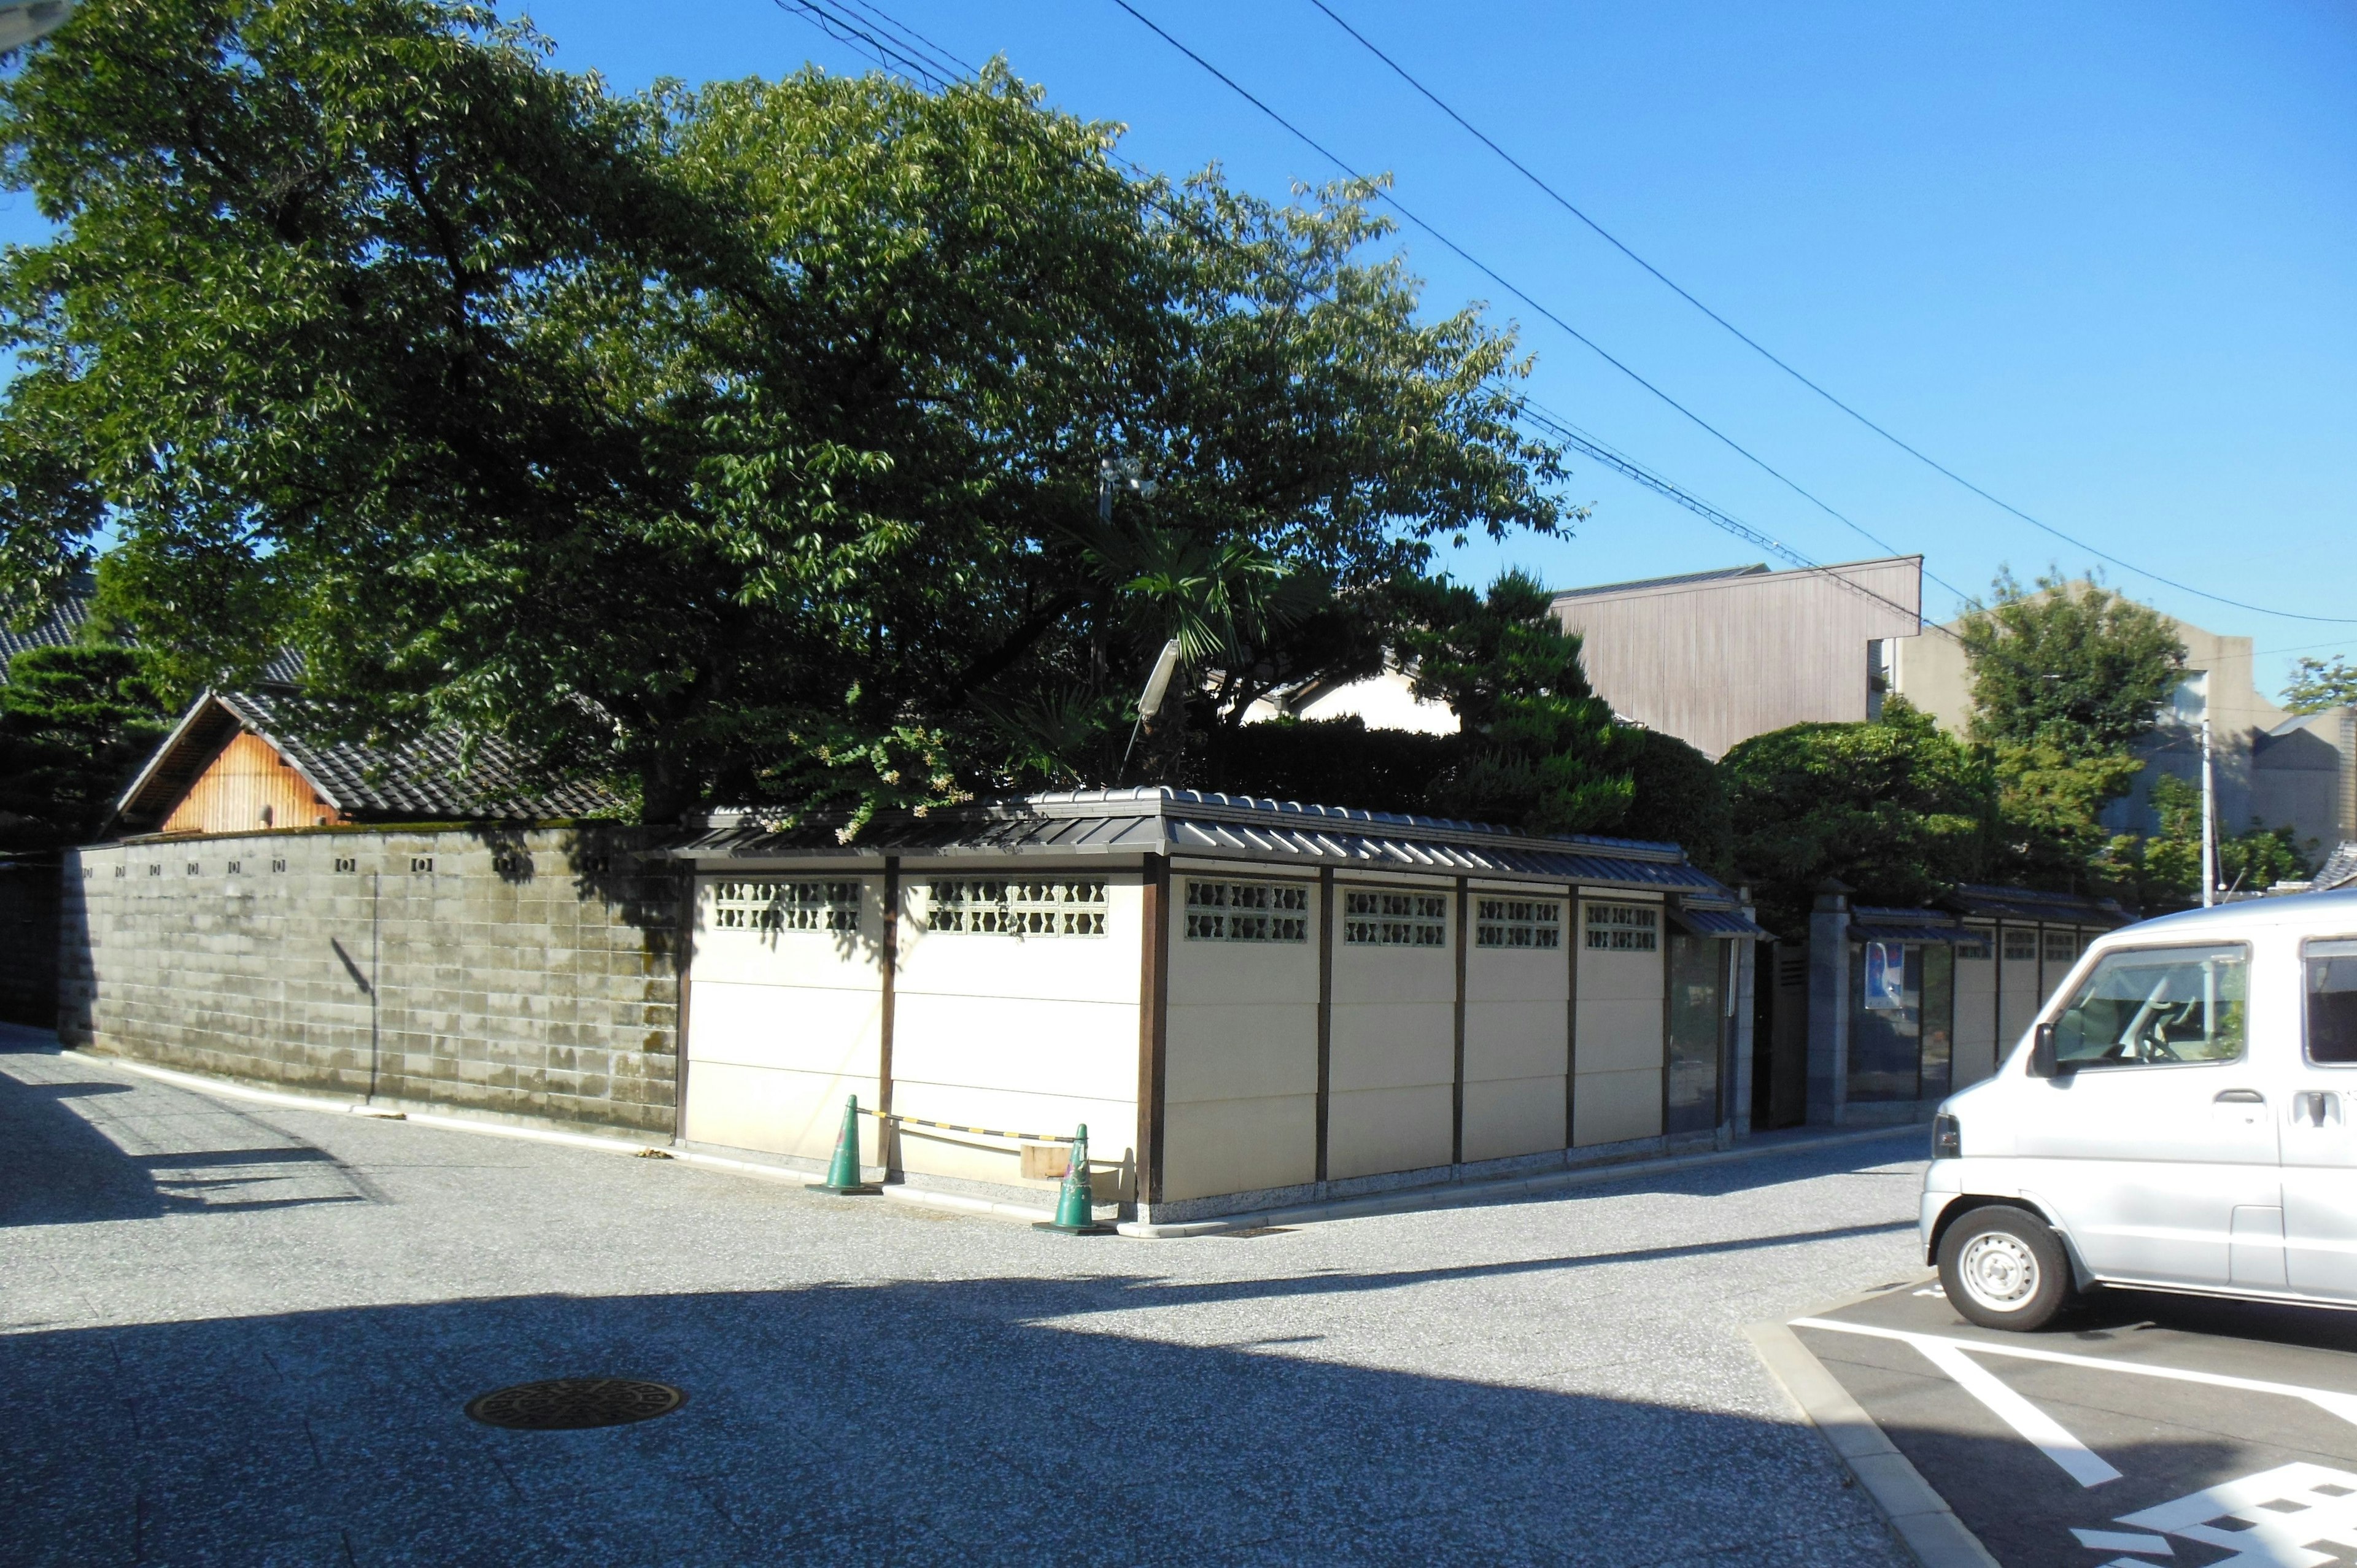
(2183,1116)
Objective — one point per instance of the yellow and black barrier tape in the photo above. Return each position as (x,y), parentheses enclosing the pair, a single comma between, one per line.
(960,1127)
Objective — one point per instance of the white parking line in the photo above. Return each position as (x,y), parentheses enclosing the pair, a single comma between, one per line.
(2327,1400)
(2044,1432)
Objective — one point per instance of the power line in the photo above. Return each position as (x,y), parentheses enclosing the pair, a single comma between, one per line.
(913,52)
(1761,350)
(1502,282)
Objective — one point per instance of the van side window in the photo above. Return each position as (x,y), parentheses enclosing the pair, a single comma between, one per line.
(2152,1006)
(2331,1001)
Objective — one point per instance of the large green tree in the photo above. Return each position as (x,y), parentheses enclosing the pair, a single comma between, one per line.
(1894,808)
(740,442)
(2066,678)
(76,722)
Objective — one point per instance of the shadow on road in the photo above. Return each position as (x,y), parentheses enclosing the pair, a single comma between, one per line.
(60,1166)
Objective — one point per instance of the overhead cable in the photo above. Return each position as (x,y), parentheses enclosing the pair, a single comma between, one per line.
(1510,287)
(1761,350)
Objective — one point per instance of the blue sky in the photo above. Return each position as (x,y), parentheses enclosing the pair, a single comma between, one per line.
(2099,258)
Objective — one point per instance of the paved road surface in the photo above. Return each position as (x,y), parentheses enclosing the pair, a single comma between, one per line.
(2147,1429)
(235,1334)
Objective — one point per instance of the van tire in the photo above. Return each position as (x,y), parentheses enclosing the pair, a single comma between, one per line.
(2003,1267)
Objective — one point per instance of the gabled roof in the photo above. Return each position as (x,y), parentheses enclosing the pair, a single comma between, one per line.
(432,778)
(2339,870)
(1159,819)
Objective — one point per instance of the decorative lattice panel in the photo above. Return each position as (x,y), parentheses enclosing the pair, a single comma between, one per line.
(1517,923)
(1383,920)
(1246,912)
(785,906)
(980,906)
(1623,928)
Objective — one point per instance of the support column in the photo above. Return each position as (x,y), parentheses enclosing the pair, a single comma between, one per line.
(1829,1005)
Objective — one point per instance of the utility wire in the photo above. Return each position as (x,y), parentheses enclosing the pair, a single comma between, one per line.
(1755,345)
(1502,282)
(916,53)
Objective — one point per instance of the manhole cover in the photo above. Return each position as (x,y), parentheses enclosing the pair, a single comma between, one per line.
(565,1404)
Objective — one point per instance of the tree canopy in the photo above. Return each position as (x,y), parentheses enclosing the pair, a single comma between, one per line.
(1894,808)
(2071,664)
(741,442)
(75,723)
(2317,685)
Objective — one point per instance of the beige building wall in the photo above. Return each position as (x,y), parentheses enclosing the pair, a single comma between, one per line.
(783,1026)
(1517,1045)
(1717,661)
(1976,1043)
(1240,1054)
(1391,1062)
(1617,1094)
(1033,1034)
(2018,995)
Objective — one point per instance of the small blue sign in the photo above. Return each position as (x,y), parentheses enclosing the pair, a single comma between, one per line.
(1886,977)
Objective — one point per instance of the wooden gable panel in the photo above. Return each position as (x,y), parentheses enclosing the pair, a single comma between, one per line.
(247,788)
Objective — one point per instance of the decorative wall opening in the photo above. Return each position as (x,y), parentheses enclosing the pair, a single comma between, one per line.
(1247,911)
(785,906)
(1018,908)
(1396,920)
(1517,923)
(1624,928)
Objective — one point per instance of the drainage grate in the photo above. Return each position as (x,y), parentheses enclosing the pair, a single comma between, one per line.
(566,1404)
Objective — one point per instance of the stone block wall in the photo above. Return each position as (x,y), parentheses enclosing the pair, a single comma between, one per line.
(528,974)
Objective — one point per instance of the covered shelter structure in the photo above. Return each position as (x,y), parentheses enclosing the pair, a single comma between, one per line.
(1248,1002)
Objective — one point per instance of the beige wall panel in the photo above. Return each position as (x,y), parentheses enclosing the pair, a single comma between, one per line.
(1607,1107)
(1619,1036)
(1516,1116)
(777,1112)
(1373,1132)
(1240,972)
(1079,969)
(1516,974)
(1607,976)
(1239,1145)
(791,1027)
(1016,1046)
(1216,1052)
(1514,1039)
(1383,976)
(1975,1048)
(1397,1047)
(2020,1000)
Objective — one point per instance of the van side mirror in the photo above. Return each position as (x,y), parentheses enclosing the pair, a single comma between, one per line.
(2042,1061)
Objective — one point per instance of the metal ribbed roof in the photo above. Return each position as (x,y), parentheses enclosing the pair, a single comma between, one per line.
(1162,821)
(1988,902)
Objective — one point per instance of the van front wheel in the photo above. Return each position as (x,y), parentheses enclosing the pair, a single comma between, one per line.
(2003,1267)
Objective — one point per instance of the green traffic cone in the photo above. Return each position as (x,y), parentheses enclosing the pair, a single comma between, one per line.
(843,1171)
(1075,1203)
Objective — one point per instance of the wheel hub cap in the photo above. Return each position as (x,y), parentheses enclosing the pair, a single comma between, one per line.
(2000,1273)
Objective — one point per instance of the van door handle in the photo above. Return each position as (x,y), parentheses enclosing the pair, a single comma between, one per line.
(2240,1097)
(2315,1107)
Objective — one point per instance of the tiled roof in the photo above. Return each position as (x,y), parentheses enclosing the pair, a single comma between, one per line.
(1989,902)
(1162,821)
(432,778)
(1758,569)
(60,626)
(2339,870)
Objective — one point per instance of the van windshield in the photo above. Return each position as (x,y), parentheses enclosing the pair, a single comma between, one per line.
(2142,1007)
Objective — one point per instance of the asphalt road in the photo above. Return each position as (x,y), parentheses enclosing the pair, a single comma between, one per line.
(2145,1429)
(238,1334)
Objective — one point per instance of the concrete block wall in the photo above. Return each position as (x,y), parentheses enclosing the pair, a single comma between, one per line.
(527,974)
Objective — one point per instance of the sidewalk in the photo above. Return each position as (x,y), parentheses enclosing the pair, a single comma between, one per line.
(1400,1200)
